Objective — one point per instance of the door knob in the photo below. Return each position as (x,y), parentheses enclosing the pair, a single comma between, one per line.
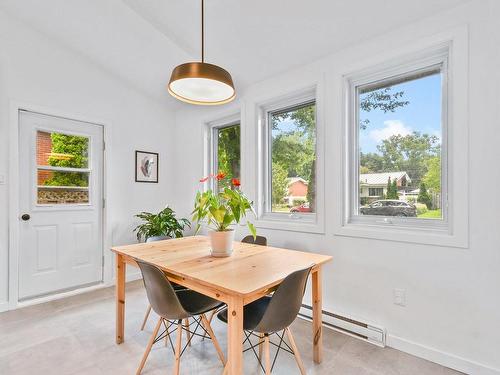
(25,217)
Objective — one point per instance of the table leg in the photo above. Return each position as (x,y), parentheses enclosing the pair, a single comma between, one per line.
(120,299)
(317,316)
(235,337)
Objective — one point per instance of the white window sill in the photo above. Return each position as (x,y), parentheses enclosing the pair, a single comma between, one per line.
(294,223)
(440,235)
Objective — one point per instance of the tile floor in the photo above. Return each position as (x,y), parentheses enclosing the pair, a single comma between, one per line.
(75,335)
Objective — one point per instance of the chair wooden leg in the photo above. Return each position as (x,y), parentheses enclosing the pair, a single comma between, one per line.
(178,349)
(210,331)
(261,345)
(267,353)
(212,313)
(150,344)
(148,311)
(295,351)
(188,334)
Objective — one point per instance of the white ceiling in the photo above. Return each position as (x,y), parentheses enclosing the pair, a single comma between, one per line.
(140,41)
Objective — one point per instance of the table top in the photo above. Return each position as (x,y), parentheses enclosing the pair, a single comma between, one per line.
(249,269)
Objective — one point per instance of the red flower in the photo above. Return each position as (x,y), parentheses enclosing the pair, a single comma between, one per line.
(220,176)
(236,182)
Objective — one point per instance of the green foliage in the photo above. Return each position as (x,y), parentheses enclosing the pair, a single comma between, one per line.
(311,188)
(392,190)
(432,178)
(424,197)
(77,147)
(382,99)
(298,202)
(432,214)
(371,163)
(414,153)
(409,153)
(279,183)
(228,153)
(421,208)
(222,209)
(164,223)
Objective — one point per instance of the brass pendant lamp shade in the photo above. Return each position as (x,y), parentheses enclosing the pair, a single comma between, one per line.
(199,82)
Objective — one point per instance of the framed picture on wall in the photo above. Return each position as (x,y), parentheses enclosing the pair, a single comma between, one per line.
(146,166)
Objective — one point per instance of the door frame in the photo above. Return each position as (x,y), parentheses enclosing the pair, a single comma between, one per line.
(14,211)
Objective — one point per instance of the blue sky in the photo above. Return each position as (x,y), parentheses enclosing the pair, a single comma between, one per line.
(422,114)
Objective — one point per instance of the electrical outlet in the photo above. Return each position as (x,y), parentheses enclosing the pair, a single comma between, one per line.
(399,297)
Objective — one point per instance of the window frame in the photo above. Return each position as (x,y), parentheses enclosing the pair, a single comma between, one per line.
(419,63)
(308,222)
(212,144)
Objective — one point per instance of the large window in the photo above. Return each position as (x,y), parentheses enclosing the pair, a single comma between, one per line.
(291,160)
(225,153)
(398,154)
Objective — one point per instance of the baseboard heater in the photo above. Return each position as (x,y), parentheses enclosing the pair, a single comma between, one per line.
(352,327)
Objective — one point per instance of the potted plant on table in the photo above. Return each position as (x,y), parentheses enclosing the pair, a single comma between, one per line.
(220,210)
(160,226)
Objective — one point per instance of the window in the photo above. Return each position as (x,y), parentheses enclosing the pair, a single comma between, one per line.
(225,154)
(397,144)
(291,160)
(62,168)
(375,192)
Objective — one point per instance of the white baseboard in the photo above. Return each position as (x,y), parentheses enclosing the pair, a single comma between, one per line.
(4,306)
(443,358)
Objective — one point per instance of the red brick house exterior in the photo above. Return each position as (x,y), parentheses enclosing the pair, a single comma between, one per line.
(43,149)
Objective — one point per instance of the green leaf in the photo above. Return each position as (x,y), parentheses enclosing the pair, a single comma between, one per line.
(218,213)
(252,230)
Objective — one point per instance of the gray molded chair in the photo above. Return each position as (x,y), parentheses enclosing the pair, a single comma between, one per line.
(174,285)
(273,315)
(259,240)
(173,306)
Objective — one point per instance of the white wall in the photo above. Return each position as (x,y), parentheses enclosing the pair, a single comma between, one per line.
(36,71)
(453,294)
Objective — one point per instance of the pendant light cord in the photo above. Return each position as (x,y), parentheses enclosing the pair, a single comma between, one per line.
(202,30)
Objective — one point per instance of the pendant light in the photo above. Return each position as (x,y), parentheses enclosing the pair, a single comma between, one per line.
(199,82)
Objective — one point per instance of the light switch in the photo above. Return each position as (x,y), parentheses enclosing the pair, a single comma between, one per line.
(2,179)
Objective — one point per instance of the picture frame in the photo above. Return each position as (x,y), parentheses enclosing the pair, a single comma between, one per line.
(146,166)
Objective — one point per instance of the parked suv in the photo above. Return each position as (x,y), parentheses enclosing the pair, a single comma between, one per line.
(389,207)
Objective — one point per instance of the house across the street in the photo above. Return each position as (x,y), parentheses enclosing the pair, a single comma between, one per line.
(373,186)
(297,190)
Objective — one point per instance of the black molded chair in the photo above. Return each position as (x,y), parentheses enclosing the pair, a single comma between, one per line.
(259,240)
(173,306)
(273,315)
(174,285)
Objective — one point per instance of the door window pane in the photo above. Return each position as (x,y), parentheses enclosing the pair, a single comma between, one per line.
(400,133)
(293,159)
(59,158)
(57,187)
(62,150)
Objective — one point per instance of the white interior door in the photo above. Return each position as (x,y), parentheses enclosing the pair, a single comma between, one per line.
(60,204)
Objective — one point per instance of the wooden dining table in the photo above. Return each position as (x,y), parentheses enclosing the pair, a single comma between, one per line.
(251,272)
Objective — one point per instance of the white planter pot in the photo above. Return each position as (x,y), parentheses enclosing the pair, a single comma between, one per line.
(221,243)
